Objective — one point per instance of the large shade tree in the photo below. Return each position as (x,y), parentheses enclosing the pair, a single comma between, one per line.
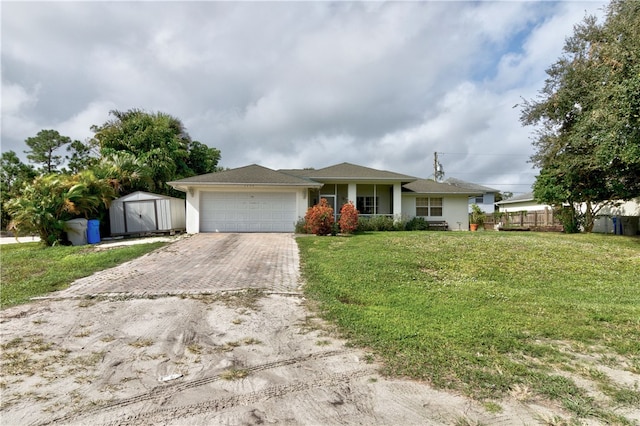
(588,117)
(159,141)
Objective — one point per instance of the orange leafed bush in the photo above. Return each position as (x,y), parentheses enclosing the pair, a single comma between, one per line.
(319,218)
(348,218)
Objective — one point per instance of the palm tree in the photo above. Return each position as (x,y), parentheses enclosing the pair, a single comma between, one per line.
(49,201)
(125,172)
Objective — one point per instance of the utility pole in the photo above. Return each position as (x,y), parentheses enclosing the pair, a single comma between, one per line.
(438,171)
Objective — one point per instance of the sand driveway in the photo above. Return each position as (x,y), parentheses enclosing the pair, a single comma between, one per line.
(211,329)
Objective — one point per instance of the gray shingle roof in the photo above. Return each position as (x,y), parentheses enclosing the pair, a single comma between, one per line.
(428,186)
(518,198)
(348,171)
(468,185)
(252,174)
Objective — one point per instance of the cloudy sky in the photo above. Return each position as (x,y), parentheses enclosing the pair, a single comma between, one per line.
(295,84)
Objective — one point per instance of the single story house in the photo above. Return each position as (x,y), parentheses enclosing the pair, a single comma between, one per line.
(258,199)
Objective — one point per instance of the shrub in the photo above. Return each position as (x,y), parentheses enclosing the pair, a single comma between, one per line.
(477,215)
(348,218)
(319,219)
(416,224)
(379,223)
(301,226)
(569,218)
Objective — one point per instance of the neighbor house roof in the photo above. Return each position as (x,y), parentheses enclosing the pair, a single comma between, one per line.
(348,171)
(248,175)
(518,198)
(429,186)
(468,185)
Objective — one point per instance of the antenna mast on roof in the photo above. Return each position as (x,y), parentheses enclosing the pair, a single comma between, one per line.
(438,171)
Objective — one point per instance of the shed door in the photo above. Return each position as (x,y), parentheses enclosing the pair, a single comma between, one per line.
(247,211)
(140,216)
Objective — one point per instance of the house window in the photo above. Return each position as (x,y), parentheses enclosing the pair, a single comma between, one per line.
(479,200)
(366,205)
(422,206)
(436,206)
(428,206)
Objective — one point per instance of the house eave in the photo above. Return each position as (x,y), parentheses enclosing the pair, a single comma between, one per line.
(184,187)
(362,180)
(461,194)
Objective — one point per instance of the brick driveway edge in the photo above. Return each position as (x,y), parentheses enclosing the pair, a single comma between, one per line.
(201,263)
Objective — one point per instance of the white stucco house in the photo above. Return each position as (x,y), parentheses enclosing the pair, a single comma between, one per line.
(258,199)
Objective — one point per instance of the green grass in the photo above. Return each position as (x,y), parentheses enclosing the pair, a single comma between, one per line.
(483,312)
(31,269)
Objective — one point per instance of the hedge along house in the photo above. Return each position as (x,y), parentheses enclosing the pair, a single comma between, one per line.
(257,199)
(143,212)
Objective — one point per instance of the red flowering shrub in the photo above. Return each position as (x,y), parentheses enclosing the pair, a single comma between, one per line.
(319,218)
(348,218)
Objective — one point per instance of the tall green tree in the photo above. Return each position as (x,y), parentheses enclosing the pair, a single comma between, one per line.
(14,174)
(588,117)
(81,157)
(43,149)
(159,141)
(202,158)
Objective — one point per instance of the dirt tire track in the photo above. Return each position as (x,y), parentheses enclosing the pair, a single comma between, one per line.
(162,392)
(168,414)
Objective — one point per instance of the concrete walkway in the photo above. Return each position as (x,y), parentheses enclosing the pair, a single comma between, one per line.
(201,263)
(14,240)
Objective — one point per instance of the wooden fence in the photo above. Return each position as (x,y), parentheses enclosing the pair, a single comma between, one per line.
(538,219)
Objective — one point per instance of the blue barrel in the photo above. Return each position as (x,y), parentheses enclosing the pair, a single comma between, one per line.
(93,231)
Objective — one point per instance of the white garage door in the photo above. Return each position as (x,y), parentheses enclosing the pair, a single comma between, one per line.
(247,212)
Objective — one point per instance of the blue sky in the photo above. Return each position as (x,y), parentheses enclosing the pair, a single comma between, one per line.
(295,84)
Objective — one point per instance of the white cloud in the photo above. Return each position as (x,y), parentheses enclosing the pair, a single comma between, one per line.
(293,84)
(77,127)
(16,98)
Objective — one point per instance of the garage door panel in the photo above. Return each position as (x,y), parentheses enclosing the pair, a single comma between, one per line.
(247,212)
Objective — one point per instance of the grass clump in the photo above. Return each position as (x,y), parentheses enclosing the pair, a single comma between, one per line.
(483,313)
(234,374)
(32,269)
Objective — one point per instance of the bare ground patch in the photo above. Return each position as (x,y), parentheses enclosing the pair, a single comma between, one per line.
(247,357)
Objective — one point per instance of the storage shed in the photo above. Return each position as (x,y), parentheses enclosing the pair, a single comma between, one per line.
(142,212)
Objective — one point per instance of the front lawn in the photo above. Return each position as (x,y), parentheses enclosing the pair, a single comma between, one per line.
(31,269)
(489,314)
